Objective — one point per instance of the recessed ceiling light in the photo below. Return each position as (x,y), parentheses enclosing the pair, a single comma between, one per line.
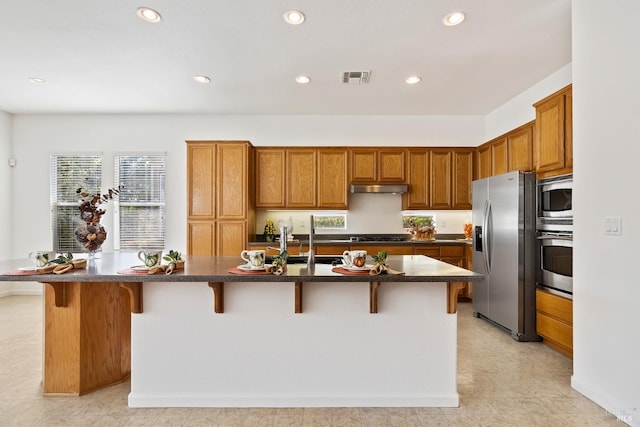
(411,80)
(148,14)
(303,79)
(202,79)
(453,18)
(294,17)
(37,80)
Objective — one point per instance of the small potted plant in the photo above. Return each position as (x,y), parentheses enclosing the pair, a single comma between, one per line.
(269,230)
(422,227)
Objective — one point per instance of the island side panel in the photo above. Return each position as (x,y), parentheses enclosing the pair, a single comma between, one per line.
(259,353)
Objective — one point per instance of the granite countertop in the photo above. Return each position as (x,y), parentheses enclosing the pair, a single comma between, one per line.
(417,268)
(371,239)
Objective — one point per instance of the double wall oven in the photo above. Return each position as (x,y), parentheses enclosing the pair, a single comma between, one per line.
(554,226)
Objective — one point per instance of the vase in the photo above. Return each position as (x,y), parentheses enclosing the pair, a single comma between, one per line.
(269,237)
(91,237)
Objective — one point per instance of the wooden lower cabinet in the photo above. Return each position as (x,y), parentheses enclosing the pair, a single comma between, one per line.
(331,249)
(554,321)
(201,237)
(391,249)
(231,237)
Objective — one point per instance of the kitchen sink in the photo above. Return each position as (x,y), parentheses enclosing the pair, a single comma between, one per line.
(319,259)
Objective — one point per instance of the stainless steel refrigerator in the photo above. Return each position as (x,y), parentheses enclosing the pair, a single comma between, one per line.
(504,244)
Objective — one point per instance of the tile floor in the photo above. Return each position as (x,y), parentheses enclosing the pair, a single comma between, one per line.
(501,383)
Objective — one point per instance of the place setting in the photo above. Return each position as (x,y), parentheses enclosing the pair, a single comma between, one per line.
(152,260)
(46,262)
(355,263)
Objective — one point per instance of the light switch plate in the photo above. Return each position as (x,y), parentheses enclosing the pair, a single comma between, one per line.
(613,226)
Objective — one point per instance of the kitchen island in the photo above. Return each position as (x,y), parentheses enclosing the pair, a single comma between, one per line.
(206,337)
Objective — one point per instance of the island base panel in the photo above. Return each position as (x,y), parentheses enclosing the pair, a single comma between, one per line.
(261,353)
(86,341)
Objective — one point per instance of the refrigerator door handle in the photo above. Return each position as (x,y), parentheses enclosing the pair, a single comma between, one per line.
(485,240)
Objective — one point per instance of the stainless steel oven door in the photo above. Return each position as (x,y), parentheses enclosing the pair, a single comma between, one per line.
(555,198)
(556,262)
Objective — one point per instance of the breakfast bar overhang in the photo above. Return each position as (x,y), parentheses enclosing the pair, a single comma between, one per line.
(204,337)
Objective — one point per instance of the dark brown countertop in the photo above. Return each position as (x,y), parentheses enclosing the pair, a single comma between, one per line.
(417,268)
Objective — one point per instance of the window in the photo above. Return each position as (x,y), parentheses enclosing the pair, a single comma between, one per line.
(67,173)
(140,207)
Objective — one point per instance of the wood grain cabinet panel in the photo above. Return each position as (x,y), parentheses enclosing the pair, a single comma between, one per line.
(554,321)
(462,178)
(201,181)
(483,163)
(499,156)
(391,165)
(201,237)
(364,165)
(270,177)
(332,179)
(231,237)
(553,141)
(440,179)
(520,148)
(301,178)
(232,181)
(418,180)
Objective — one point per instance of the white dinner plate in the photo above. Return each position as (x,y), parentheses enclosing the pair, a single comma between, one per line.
(29,268)
(248,267)
(354,268)
(140,268)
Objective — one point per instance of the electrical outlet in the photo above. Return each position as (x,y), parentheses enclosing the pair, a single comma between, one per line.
(613,226)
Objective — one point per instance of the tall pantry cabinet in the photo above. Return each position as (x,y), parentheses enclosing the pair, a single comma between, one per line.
(220,194)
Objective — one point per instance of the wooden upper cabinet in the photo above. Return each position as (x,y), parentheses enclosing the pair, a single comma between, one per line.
(499,156)
(520,148)
(483,164)
(232,179)
(378,165)
(440,178)
(364,165)
(301,178)
(551,133)
(201,181)
(568,129)
(462,178)
(391,165)
(417,179)
(332,179)
(270,177)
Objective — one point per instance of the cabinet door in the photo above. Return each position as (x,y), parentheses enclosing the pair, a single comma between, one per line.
(550,131)
(364,165)
(301,178)
(270,177)
(499,158)
(418,180)
(440,178)
(462,178)
(403,249)
(232,237)
(331,249)
(520,148)
(332,179)
(391,165)
(568,129)
(201,238)
(483,161)
(201,180)
(232,185)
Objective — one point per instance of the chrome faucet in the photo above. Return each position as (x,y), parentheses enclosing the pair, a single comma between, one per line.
(312,231)
(283,239)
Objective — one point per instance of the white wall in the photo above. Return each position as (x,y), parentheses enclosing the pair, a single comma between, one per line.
(520,110)
(5,193)
(606,66)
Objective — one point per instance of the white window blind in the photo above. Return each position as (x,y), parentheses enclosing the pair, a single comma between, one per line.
(67,173)
(140,207)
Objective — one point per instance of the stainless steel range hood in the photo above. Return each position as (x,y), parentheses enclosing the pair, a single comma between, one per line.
(379,188)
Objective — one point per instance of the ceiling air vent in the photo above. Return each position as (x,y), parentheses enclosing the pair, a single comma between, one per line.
(355,77)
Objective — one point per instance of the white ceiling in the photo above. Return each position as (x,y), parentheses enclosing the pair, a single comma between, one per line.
(99,57)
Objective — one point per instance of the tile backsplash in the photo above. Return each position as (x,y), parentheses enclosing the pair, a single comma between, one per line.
(367,214)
